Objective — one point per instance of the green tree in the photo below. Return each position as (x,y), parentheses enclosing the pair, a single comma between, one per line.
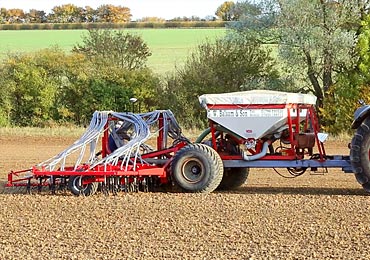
(226,65)
(225,11)
(315,43)
(115,68)
(72,101)
(352,85)
(257,22)
(93,87)
(31,88)
(125,50)
(5,97)
(363,48)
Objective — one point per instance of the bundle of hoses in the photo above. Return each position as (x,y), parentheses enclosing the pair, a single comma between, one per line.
(123,155)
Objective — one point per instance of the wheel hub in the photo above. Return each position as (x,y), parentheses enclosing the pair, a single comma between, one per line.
(196,170)
(192,171)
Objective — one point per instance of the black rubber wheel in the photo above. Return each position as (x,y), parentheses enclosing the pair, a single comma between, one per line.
(233,178)
(360,153)
(75,186)
(197,168)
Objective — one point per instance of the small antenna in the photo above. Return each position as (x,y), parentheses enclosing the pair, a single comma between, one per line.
(133,100)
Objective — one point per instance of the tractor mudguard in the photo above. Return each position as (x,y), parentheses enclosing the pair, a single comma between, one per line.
(360,115)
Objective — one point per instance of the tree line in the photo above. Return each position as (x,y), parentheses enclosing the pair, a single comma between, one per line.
(70,13)
(67,13)
(323,49)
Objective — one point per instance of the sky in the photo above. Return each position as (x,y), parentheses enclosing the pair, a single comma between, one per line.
(167,9)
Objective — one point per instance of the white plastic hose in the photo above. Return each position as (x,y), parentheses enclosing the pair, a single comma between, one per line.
(259,155)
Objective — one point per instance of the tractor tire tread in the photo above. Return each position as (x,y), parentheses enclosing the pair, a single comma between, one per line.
(359,154)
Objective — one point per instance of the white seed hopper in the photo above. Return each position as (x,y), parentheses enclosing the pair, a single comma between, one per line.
(232,111)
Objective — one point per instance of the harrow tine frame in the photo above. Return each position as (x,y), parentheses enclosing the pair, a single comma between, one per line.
(127,168)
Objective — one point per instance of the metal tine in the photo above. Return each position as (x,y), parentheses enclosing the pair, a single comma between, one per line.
(110,186)
(39,186)
(144,184)
(52,185)
(150,183)
(29,186)
(63,184)
(115,185)
(136,185)
(127,187)
(104,186)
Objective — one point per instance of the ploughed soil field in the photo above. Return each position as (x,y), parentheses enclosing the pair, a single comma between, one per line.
(314,216)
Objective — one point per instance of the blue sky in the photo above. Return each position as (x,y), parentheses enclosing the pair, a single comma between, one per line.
(139,8)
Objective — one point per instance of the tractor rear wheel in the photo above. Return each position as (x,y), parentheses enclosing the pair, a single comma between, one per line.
(76,186)
(197,168)
(233,178)
(360,154)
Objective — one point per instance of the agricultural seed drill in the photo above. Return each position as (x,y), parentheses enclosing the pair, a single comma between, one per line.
(250,129)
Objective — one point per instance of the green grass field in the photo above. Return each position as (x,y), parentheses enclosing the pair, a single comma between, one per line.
(169,47)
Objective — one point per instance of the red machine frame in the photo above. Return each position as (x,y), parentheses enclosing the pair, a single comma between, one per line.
(99,173)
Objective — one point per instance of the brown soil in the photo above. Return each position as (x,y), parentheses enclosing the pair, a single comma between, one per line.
(315,216)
